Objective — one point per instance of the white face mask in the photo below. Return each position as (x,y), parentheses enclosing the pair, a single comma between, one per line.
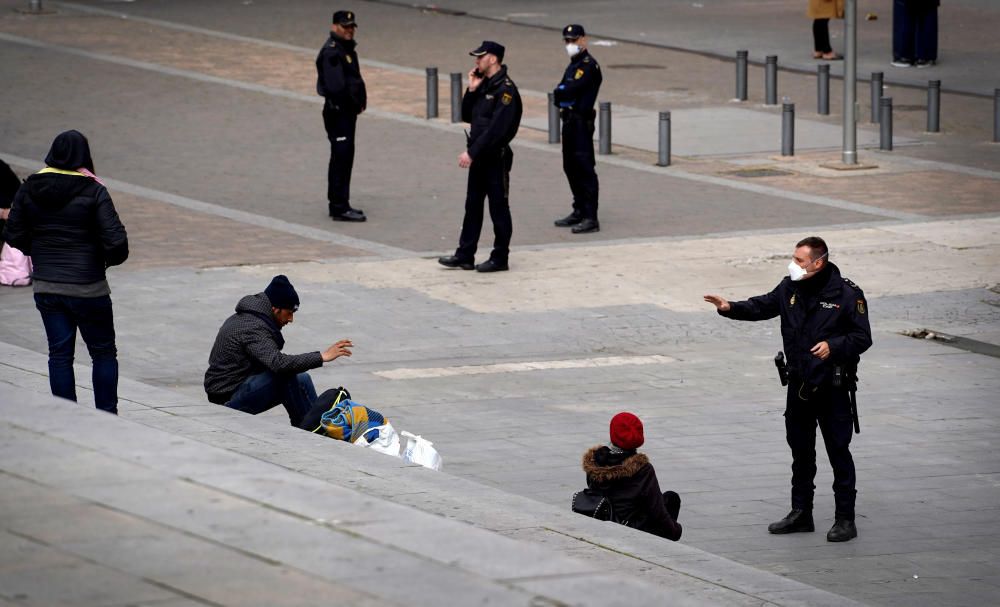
(795,271)
(572,49)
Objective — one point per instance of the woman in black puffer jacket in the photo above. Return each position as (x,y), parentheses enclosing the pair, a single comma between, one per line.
(65,220)
(629,481)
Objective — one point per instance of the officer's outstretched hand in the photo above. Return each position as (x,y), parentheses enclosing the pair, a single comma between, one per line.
(464,160)
(720,303)
(821,350)
(341,348)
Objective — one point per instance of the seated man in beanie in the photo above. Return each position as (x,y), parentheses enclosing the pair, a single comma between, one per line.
(628,480)
(247,370)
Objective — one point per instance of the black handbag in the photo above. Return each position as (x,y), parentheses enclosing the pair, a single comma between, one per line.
(593,504)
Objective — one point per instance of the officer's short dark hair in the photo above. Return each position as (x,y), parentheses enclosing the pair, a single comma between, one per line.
(816,245)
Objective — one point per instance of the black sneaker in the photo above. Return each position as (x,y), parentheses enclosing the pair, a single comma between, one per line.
(922,63)
(842,531)
(901,63)
(796,521)
(456,262)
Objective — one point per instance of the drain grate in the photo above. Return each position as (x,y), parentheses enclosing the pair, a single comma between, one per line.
(758,172)
(962,343)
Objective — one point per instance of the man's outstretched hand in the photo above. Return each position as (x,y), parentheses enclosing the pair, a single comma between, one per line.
(719,302)
(341,348)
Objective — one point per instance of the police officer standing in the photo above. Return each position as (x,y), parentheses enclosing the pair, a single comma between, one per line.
(825,329)
(575,95)
(492,106)
(339,82)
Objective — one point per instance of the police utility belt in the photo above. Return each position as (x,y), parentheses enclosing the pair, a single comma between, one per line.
(568,112)
(843,377)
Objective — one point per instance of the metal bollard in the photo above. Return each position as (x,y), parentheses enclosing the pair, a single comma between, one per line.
(823,89)
(432,92)
(996,115)
(605,128)
(885,123)
(553,120)
(741,75)
(771,80)
(456,97)
(35,6)
(876,95)
(934,106)
(664,159)
(787,128)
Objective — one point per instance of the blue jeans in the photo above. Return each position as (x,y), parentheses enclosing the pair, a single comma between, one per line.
(264,391)
(62,315)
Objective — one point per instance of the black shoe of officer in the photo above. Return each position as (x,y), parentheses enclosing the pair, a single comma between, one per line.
(586,226)
(842,531)
(492,265)
(456,262)
(349,215)
(570,220)
(796,521)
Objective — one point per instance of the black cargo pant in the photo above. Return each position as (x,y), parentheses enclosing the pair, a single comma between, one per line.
(489,178)
(579,163)
(830,408)
(341,125)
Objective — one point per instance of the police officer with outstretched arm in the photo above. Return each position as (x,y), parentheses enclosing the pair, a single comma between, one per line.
(576,95)
(339,82)
(825,329)
(492,106)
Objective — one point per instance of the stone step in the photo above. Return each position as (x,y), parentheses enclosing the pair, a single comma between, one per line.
(183,502)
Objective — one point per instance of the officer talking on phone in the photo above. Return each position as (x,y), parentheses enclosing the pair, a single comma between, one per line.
(575,96)
(825,329)
(492,106)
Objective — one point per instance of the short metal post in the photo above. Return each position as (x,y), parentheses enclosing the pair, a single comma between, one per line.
(35,6)
(553,120)
(996,115)
(787,129)
(432,92)
(456,97)
(885,123)
(823,89)
(741,75)
(771,80)
(876,95)
(605,128)
(664,159)
(934,106)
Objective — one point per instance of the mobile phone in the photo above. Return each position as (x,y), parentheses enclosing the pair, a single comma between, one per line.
(477,73)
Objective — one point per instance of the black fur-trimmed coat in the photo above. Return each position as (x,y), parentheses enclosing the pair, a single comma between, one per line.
(629,481)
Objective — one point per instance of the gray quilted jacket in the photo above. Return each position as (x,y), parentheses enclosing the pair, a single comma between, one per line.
(249,343)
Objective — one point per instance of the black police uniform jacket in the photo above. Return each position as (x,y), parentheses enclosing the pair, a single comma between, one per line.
(339,75)
(494,110)
(629,481)
(825,307)
(250,342)
(68,224)
(577,91)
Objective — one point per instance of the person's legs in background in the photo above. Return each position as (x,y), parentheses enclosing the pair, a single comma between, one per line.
(60,330)
(821,38)
(96,321)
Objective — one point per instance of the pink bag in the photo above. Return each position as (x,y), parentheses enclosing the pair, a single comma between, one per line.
(15,267)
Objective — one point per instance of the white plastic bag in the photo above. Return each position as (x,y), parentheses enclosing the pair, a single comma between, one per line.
(419,450)
(387,441)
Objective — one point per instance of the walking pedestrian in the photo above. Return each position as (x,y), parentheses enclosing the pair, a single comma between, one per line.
(492,105)
(576,95)
(65,220)
(821,11)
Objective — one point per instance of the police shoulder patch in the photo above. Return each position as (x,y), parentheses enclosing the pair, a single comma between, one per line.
(348,58)
(506,98)
(860,305)
(578,74)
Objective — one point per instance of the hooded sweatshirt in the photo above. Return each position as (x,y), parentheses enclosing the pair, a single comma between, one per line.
(248,343)
(67,223)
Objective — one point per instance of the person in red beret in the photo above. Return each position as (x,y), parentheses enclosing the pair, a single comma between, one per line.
(627,478)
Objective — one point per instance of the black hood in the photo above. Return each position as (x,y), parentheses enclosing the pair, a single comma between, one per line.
(53,191)
(70,151)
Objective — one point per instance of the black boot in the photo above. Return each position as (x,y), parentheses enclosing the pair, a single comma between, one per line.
(586,226)
(842,531)
(570,220)
(796,521)
(453,261)
(492,265)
